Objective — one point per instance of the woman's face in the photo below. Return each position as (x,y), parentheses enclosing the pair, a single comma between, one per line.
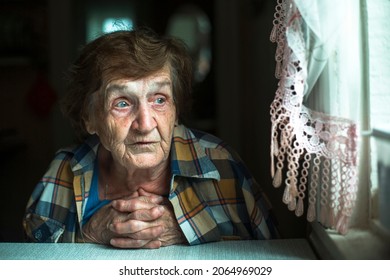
(137,120)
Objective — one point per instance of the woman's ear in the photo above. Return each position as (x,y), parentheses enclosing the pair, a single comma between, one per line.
(176,122)
(89,115)
(89,126)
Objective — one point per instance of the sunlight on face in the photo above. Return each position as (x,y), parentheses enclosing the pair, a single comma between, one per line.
(138,119)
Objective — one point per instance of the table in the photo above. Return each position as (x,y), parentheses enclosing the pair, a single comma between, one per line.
(277,249)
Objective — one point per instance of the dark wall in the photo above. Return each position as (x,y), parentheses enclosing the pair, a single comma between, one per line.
(27,99)
(245,86)
(235,96)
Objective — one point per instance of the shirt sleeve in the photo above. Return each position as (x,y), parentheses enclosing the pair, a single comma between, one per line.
(263,222)
(50,209)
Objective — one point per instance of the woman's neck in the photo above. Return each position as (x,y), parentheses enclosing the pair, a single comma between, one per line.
(117,181)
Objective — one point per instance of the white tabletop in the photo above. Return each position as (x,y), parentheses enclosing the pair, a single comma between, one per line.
(281,249)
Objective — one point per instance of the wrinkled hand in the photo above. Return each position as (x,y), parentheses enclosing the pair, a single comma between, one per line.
(143,221)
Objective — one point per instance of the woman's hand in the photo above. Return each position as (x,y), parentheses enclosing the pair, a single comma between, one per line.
(148,225)
(144,221)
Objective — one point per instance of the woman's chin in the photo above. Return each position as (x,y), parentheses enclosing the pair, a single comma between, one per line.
(145,160)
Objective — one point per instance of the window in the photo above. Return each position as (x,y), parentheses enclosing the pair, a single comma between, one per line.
(115,24)
(332,92)
(379,84)
(368,237)
(103,17)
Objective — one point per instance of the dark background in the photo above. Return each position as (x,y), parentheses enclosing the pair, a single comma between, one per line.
(38,41)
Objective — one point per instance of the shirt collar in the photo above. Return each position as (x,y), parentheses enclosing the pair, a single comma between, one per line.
(85,154)
(188,156)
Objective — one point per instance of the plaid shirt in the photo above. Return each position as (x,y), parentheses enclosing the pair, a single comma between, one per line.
(214,197)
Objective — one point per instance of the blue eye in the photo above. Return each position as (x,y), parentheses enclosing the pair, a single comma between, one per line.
(160,100)
(122,104)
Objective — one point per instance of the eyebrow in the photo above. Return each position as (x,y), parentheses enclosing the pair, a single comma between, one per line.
(114,87)
(123,88)
(160,84)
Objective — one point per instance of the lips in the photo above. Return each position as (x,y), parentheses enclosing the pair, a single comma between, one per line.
(142,146)
(142,143)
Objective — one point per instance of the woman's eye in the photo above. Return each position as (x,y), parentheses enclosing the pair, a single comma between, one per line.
(160,100)
(122,104)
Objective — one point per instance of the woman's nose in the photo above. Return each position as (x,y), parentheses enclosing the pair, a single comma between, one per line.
(144,120)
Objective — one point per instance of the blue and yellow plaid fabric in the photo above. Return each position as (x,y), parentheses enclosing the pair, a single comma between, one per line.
(213,194)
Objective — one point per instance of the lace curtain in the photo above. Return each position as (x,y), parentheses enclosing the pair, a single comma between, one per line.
(314,150)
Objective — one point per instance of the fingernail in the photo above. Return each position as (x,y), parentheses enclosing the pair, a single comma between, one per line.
(161,209)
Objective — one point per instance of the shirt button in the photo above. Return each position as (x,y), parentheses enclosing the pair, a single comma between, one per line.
(38,235)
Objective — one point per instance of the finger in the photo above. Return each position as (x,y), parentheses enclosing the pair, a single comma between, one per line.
(163,200)
(154,244)
(134,243)
(152,198)
(131,226)
(148,234)
(147,214)
(134,204)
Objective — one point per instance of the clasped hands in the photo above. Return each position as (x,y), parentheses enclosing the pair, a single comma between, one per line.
(143,220)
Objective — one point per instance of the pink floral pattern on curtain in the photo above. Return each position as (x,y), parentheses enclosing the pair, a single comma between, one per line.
(312,153)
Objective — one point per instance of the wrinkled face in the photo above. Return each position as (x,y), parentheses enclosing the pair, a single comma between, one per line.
(137,120)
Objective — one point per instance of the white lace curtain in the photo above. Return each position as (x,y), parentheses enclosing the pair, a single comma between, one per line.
(316,107)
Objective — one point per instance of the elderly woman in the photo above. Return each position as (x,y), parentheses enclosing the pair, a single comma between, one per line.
(140,178)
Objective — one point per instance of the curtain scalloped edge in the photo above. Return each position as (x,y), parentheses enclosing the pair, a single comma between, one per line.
(312,153)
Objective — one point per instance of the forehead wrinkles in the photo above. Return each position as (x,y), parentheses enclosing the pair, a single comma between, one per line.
(138,87)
